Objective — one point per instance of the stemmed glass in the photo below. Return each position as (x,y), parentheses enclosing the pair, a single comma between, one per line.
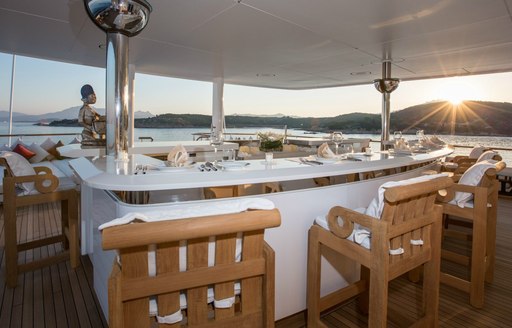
(337,138)
(397,135)
(420,134)
(216,139)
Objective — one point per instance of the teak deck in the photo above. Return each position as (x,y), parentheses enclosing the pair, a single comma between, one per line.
(57,296)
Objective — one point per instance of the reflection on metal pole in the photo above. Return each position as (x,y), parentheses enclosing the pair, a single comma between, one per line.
(11,100)
(117,95)
(386,85)
(217,132)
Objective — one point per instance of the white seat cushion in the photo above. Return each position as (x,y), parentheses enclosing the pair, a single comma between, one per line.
(19,167)
(472,177)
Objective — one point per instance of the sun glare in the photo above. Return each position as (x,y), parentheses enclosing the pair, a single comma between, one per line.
(455,100)
(456,91)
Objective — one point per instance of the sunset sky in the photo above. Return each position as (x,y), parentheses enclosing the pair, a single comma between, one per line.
(43,86)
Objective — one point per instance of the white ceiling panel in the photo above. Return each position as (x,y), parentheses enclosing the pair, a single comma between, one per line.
(293,44)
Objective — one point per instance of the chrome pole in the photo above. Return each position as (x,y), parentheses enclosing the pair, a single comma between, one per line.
(117,95)
(218,109)
(11,100)
(386,85)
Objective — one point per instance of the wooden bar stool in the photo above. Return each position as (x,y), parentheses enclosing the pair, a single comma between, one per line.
(189,290)
(473,203)
(407,235)
(45,190)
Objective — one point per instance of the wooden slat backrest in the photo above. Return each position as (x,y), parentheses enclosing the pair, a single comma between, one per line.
(168,261)
(408,211)
(137,286)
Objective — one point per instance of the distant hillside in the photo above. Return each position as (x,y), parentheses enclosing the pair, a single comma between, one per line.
(469,118)
(66,114)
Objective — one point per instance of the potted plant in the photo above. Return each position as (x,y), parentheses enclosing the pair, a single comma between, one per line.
(270,141)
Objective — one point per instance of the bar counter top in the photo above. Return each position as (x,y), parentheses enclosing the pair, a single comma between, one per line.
(105,173)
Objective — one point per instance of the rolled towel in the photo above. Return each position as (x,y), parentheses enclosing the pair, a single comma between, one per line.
(177,157)
(325,152)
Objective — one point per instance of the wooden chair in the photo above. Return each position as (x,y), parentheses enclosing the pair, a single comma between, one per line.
(409,215)
(481,219)
(46,185)
(131,286)
(460,163)
(464,163)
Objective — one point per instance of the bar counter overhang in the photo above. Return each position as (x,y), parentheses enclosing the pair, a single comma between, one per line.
(299,206)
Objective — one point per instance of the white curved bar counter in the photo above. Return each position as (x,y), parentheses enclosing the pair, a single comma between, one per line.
(298,206)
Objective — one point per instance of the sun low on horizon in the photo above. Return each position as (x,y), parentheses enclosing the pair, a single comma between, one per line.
(456,90)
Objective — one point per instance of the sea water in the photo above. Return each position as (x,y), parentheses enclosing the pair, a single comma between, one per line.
(187,134)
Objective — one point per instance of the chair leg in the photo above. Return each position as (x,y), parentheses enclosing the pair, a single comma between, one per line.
(65,209)
(11,246)
(364,297)
(377,316)
(431,273)
(72,215)
(492,214)
(478,252)
(269,287)
(313,279)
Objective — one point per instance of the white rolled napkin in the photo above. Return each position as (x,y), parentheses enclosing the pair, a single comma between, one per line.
(178,156)
(324,151)
(401,144)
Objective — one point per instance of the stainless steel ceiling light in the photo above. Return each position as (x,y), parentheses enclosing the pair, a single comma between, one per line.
(128,17)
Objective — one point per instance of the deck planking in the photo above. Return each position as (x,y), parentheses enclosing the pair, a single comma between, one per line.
(57,296)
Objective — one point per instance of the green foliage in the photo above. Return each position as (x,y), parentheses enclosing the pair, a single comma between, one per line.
(470,117)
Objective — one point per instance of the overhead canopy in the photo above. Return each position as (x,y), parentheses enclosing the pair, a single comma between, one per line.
(292,44)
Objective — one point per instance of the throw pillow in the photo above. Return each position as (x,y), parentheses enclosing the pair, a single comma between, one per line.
(24,151)
(46,145)
(75,141)
(17,142)
(19,166)
(53,150)
(40,153)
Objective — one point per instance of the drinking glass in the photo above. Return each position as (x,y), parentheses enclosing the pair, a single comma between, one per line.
(347,149)
(337,138)
(216,139)
(420,135)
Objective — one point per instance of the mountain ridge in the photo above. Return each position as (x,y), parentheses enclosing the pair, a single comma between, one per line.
(68,113)
(441,117)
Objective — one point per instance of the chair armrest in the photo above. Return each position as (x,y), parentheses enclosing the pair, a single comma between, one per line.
(450,192)
(457,158)
(44,183)
(43,170)
(466,161)
(348,217)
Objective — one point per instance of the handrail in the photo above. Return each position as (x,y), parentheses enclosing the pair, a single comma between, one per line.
(490,147)
(38,134)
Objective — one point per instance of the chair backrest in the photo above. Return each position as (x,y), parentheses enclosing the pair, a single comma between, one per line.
(464,163)
(131,285)
(402,238)
(411,211)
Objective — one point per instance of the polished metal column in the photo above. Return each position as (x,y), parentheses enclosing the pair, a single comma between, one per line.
(386,85)
(217,131)
(117,95)
(120,19)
